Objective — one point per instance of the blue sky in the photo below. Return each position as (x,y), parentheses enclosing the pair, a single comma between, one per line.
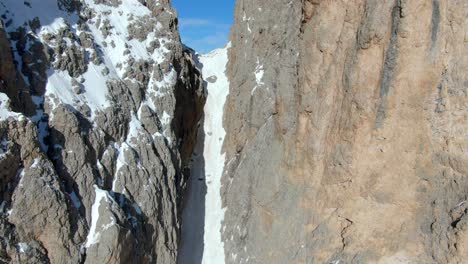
(204,24)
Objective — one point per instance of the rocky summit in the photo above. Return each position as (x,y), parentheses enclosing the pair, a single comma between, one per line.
(325,131)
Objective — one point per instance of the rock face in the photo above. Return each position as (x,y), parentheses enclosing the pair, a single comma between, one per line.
(346,132)
(99,107)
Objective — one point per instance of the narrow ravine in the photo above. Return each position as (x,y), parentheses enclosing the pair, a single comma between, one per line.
(203,214)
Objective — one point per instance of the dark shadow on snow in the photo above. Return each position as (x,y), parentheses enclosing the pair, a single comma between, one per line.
(193,216)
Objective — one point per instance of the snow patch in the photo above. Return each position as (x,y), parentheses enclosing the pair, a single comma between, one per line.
(244,18)
(121,162)
(46,10)
(20,174)
(93,235)
(259,72)
(160,88)
(35,163)
(120,18)
(23,248)
(59,86)
(165,119)
(118,47)
(5,113)
(135,128)
(53,28)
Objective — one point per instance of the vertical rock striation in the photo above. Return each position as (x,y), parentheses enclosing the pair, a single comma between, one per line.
(346,137)
(99,109)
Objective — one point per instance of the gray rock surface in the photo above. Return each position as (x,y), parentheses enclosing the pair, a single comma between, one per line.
(95,170)
(344,132)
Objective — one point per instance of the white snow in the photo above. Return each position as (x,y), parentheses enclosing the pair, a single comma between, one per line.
(54,27)
(120,18)
(124,150)
(128,148)
(93,235)
(46,10)
(23,247)
(109,225)
(259,72)
(5,113)
(59,88)
(134,132)
(20,174)
(208,243)
(59,85)
(35,163)
(160,88)
(214,64)
(95,85)
(165,119)
(121,162)
(244,18)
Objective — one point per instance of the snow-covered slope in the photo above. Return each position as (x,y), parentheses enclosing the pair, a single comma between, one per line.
(203,214)
(112,35)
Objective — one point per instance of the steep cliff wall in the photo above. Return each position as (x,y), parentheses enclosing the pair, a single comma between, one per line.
(99,109)
(346,132)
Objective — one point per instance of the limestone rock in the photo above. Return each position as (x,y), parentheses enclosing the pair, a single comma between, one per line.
(93,169)
(345,139)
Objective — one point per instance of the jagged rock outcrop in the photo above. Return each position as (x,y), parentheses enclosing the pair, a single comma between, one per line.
(346,134)
(99,108)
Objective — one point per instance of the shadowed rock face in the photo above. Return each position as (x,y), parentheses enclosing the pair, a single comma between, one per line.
(12,82)
(345,132)
(94,169)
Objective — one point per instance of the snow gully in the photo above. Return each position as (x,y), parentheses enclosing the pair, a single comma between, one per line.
(203,214)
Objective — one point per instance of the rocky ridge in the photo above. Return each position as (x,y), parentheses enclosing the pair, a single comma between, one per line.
(99,108)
